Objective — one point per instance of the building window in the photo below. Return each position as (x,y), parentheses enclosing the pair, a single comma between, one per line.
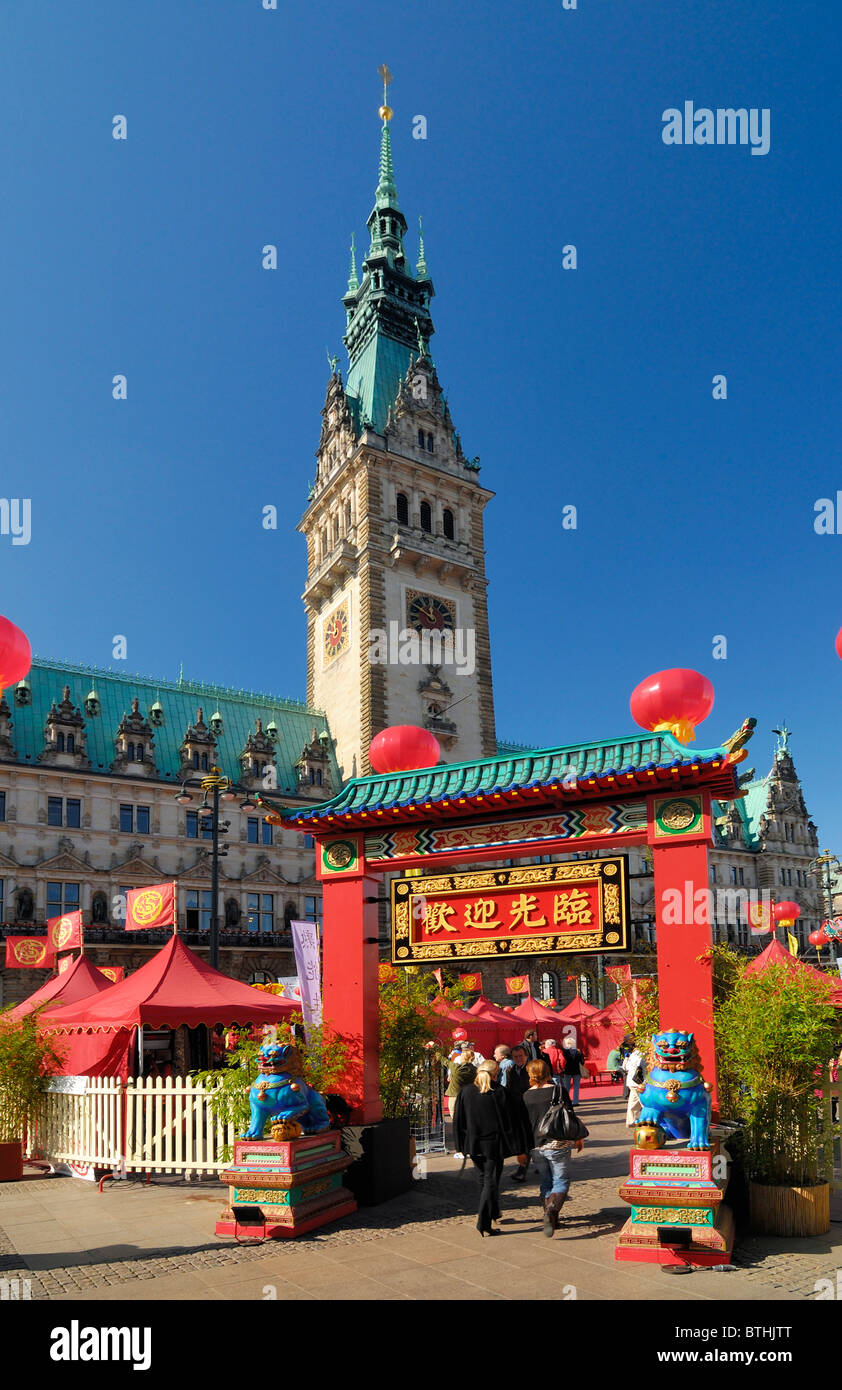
(786,877)
(426,517)
(261,912)
(252,830)
(127,819)
(259,831)
(2,805)
(204,763)
(736,874)
(134,820)
(199,906)
(429,443)
(421,439)
(447,523)
(61,898)
(55,810)
(548,985)
(59,743)
(195,823)
(347,516)
(402,510)
(713,873)
(266,833)
(789,832)
(312,909)
(196,760)
(71,743)
(68,813)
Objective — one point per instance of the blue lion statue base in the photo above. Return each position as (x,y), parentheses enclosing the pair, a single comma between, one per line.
(281,1094)
(674,1095)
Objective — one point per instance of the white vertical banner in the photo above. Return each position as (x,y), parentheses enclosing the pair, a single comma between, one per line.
(305,944)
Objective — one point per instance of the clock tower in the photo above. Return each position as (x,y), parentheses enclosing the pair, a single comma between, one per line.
(397,621)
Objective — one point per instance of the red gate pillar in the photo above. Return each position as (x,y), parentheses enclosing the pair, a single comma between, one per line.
(683,915)
(350,985)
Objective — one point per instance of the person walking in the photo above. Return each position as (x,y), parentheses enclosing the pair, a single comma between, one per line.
(517,1084)
(482,1133)
(503,1058)
(555,1057)
(462,1073)
(533,1048)
(634,1073)
(551,1157)
(574,1060)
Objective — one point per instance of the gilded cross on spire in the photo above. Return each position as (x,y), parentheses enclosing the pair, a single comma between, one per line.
(385,112)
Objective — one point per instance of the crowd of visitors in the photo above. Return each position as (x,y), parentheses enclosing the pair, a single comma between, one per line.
(520,1104)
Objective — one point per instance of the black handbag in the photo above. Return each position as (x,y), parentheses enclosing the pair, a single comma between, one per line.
(559,1121)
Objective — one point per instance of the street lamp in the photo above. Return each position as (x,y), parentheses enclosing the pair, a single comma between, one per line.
(218,787)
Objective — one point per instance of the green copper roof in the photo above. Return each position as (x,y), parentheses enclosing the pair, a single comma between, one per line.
(610,758)
(239,709)
(383,306)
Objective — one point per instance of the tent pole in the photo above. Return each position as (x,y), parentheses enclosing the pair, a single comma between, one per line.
(140,1049)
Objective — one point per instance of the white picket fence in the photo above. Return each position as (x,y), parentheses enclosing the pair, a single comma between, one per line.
(161,1125)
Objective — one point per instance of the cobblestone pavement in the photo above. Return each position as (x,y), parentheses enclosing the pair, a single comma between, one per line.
(71,1242)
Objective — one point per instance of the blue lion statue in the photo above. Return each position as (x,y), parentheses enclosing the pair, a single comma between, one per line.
(674,1095)
(281,1094)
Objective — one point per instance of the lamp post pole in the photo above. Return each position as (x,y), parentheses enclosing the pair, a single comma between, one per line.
(824,862)
(215,785)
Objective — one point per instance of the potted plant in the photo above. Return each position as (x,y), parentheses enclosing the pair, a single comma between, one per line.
(775,1033)
(27,1060)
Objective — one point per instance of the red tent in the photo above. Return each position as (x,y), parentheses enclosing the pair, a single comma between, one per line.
(508,1029)
(534,1012)
(176,986)
(576,1010)
(776,954)
(479,1031)
(601,1031)
(79,982)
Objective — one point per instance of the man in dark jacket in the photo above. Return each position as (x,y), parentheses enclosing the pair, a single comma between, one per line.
(517,1082)
(574,1060)
(532,1048)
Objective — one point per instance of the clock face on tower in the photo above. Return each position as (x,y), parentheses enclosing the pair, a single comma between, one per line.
(336,632)
(426,611)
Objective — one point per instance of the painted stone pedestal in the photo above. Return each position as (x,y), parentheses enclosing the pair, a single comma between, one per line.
(677,1212)
(280,1189)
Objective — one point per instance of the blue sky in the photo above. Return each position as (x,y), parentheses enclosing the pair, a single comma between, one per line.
(590,387)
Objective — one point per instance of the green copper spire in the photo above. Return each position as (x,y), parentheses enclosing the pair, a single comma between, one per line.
(353,282)
(387,307)
(421,264)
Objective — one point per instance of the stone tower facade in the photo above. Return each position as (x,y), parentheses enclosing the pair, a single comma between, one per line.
(397,621)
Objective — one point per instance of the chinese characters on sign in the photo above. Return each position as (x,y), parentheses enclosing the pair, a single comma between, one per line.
(547,908)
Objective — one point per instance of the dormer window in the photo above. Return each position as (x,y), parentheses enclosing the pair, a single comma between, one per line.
(426,517)
(402,510)
(134,744)
(447,523)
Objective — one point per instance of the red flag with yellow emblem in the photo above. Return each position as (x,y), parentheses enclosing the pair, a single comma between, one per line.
(517,984)
(471,983)
(114,973)
(150,907)
(28,953)
(65,933)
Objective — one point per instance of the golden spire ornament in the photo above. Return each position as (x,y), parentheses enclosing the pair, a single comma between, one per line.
(385,111)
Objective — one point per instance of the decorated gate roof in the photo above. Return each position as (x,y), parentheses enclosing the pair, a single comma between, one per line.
(542,777)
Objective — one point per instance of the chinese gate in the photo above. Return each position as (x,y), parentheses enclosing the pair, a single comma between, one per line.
(617,794)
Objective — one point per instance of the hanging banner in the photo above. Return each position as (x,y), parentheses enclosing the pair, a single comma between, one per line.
(471,984)
(619,974)
(517,984)
(305,945)
(28,953)
(64,962)
(792,943)
(114,973)
(760,919)
(65,933)
(580,907)
(151,907)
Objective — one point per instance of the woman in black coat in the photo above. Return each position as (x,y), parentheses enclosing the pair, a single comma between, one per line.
(482,1131)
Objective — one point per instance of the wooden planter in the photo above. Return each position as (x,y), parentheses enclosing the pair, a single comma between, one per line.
(790,1211)
(11,1160)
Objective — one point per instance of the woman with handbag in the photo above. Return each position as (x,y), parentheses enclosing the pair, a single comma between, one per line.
(556,1131)
(482,1131)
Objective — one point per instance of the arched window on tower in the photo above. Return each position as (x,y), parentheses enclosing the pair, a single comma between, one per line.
(426,517)
(549,985)
(204,762)
(421,439)
(447,523)
(71,743)
(402,509)
(429,443)
(59,743)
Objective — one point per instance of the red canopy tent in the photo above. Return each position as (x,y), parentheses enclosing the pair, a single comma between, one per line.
(576,1010)
(776,954)
(534,1012)
(507,1027)
(601,1031)
(175,987)
(81,981)
(479,1031)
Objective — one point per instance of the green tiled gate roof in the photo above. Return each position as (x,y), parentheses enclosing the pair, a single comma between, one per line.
(180,700)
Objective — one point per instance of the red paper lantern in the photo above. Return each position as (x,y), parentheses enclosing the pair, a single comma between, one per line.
(508,1008)
(786,913)
(818,938)
(15,654)
(403,748)
(673,701)
(838,644)
(459,1035)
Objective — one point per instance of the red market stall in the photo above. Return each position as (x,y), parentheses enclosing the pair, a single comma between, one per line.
(81,981)
(507,1027)
(480,1032)
(175,987)
(776,954)
(576,1011)
(533,1012)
